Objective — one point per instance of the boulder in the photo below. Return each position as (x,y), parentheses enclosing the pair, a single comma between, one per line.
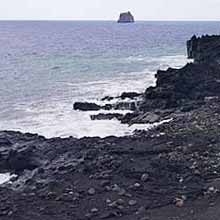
(108,116)
(128,117)
(22,159)
(107,98)
(145,118)
(86,106)
(130,95)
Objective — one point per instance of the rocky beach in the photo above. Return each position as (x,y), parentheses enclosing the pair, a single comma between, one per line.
(170,172)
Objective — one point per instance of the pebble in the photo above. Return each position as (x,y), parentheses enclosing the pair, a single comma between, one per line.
(108,201)
(212,204)
(144,177)
(121,192)
(104,183)
(91,191)
(140,210)
(179,202)
(132,202)
(10,213)
(116,188)
(211,189)
(120,201)
(94,210)
(137,185)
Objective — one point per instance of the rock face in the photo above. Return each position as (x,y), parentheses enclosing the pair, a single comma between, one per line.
(126,17)
(178,87)
(205,49)
(190,85)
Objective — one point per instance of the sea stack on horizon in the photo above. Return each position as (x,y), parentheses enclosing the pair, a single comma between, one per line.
(126,17)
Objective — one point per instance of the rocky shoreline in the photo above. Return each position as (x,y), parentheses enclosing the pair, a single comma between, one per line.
(169,172)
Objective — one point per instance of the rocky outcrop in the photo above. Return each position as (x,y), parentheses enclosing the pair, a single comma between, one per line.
(124,95)
(108,116)
(126,17)
(146,118)
(88,106)
(130,95)
(129,177)
(184,89)
(205,49)
(179,87)
(189,86)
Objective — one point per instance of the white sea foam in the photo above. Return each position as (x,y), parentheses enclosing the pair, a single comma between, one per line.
(55,117)
(5,177)
(73,123)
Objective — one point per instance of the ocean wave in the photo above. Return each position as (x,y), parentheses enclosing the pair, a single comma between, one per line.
(175,61)
(55,117)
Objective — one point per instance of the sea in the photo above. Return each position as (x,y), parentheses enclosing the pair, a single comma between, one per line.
(45,66)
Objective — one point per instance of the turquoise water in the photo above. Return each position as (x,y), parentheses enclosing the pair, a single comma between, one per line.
(46,66)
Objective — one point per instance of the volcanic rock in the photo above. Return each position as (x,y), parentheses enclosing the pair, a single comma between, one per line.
(108,116)
(205,49)
(126,17)
(86,106)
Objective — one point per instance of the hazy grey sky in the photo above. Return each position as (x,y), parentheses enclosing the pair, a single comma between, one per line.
(109,9)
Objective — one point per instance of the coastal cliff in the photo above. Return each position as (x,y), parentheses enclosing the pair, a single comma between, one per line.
(191,84)
(205,49)
(169,172)
(126,17)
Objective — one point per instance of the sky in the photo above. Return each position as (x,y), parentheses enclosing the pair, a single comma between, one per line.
(109,9)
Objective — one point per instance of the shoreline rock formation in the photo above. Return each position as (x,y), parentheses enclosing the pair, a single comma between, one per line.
(205,49)
(126,17)
(169,172)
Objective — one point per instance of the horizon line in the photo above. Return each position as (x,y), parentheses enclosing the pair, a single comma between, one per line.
(92,20)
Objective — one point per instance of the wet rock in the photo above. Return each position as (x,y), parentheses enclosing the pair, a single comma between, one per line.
(4,142)
(128,117)
(137,185)
(94,210)
(179,202)
(144,177)
(145,118)
(91,191)
(130,95)
(141,210)
(86,106)
(108,116)
(121,192)
(132,202)
(107,98)
(104,183)
(21,159)
(120,202)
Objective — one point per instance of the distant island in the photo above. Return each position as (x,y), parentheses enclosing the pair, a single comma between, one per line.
(126,17)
